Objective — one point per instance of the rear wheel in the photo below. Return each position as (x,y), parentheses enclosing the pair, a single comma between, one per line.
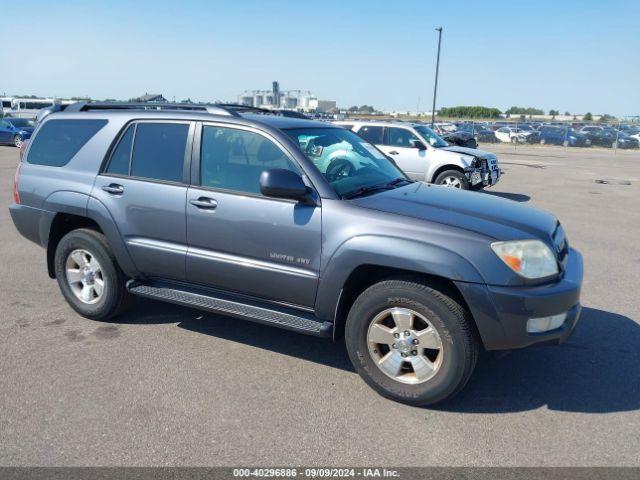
(17,141)
(89,276)
(453,179)
(411,343)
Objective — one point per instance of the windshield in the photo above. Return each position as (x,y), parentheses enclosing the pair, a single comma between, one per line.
(348,162)
(430,136)
(20,122)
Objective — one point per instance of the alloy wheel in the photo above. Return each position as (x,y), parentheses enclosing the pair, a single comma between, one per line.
(404,345)
(84,276)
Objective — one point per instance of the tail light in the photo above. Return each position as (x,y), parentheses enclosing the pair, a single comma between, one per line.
(23,147)
(16,178)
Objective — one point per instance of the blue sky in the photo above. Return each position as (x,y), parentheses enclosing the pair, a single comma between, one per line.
(567,55)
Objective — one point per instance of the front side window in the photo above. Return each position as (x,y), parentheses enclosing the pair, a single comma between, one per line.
(430,136)
(349,163)
(58,141)
(233,159)
(400,137)
(159,150)
(372,134)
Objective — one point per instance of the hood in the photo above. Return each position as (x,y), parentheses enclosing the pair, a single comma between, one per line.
(473,152)
(481,213)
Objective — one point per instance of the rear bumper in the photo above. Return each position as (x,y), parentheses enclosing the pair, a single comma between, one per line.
(501,313)
(27,221)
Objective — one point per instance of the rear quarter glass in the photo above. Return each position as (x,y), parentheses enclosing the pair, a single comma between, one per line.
(57,141)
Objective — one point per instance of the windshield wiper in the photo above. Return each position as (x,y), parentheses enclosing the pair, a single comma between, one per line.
(363,190)
(397,181)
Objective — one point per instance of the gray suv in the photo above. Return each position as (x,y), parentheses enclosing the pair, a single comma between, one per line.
(297,224)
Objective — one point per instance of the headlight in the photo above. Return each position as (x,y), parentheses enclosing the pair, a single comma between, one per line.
(529,258)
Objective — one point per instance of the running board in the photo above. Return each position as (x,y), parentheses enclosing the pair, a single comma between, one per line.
(260,312)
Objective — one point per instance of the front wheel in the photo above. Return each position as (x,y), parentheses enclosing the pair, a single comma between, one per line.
(453,179)
(17,141)
(411,343)
(89,276)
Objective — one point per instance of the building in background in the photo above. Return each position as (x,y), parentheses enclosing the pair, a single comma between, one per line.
(300,100)
(150,97)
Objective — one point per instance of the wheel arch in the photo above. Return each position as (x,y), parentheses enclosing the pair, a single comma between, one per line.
(444,168)
(364,260)
(364,276)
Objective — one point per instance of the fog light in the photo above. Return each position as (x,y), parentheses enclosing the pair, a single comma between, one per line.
(544,324)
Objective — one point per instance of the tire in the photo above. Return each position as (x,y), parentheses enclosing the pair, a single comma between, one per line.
(452,178)
(70,260)
(17,141)
(453,363)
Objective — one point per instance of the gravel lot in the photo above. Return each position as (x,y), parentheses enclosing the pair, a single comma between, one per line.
(172,386)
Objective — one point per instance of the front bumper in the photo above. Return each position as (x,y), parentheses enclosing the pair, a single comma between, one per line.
(501,313)
(482,176)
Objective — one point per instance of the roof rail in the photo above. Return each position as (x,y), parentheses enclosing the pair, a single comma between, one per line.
(191,107)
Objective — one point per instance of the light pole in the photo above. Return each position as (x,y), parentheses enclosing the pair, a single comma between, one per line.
(435,87)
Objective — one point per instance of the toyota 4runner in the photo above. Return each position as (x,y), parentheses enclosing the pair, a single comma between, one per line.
(294,223)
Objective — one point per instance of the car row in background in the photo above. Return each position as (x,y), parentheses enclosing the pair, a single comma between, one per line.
(627,136)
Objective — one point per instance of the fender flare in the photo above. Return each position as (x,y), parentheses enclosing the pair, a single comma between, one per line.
(84,205)
(388,252)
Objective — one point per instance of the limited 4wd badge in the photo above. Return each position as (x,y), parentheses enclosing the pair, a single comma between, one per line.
(289,258)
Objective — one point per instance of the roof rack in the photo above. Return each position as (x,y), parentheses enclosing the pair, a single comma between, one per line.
(192,107)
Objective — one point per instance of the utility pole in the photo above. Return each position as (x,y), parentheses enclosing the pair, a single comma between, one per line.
(435,87)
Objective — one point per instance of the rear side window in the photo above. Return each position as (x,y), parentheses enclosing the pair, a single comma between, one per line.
(159,150)
(119,163)
(58,141)
(371,134)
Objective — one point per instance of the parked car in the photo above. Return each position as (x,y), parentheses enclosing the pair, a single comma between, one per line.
(297,224)
(460,138)
(14,131)
(513,135)
(423,155)
(608,137)
(563,136)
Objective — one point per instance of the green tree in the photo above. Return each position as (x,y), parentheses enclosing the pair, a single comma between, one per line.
(469,112)
(553,113)
(366,109)
(607,118)
(587,117)
(353,109)
(567,114)
(524,111)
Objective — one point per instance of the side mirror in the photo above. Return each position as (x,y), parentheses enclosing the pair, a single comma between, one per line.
(418,144)
(282,183)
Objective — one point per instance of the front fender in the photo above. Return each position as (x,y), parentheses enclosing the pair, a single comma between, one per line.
(389,252)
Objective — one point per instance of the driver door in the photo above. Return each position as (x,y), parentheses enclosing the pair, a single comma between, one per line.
(397,144)
(240,240)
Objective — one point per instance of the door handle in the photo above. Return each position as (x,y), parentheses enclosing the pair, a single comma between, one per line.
(113,188)
(204,202)
(393,152)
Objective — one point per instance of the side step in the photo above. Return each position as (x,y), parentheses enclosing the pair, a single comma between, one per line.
(261,312)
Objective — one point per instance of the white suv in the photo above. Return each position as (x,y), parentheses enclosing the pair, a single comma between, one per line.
(423,155)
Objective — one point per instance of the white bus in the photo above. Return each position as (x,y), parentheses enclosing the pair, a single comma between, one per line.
(28,107)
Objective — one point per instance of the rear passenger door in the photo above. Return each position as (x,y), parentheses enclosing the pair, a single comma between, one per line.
(239,240)
(144,187)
